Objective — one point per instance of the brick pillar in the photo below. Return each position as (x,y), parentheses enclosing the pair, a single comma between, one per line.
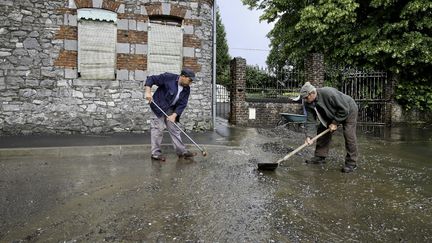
(238,112)
(314,66)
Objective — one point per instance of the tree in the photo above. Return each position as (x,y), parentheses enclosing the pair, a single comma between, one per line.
(222,56)
(256,77)
(392,35)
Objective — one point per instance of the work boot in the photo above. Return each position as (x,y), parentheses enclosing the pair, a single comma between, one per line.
(316,160)
(158,157)
(348,168)
(187,154)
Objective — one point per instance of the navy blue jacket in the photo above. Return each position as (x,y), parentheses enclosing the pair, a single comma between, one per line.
(166,92)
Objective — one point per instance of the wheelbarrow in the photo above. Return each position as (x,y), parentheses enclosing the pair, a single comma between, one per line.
(290,119)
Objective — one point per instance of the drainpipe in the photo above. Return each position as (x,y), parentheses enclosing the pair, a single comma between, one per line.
(214,64)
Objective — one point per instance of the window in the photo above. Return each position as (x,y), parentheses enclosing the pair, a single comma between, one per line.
(165,46)
(97,38)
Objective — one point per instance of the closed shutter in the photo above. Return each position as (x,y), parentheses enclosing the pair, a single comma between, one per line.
(165,49)
(97,49)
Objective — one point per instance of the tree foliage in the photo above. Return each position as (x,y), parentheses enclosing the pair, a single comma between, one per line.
(392,35)
(222,56)
(258,77)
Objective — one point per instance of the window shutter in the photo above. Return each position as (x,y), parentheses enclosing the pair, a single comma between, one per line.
(165,53)
(97,49)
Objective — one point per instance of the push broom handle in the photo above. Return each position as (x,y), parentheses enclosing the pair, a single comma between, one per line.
(304,145)
(202,150)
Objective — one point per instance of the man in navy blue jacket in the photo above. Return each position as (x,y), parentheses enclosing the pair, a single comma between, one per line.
(172,97)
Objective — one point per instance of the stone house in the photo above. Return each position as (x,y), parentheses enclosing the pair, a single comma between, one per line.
(79,66)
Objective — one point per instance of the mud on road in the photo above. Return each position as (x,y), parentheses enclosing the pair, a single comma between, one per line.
(222,197)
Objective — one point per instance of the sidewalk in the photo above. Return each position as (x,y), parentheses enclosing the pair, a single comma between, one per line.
(42,141)
(25,145)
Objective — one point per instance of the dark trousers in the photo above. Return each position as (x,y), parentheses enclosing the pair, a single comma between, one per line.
(349,132)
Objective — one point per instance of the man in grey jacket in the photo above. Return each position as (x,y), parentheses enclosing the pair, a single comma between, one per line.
(331,108)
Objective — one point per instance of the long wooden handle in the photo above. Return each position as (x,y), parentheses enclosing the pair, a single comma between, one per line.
(304,145)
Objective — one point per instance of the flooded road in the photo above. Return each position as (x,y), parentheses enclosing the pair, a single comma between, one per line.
(127,197)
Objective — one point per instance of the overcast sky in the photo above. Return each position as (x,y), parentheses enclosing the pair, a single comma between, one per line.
(246,36)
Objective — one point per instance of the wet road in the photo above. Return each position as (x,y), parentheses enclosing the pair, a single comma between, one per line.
(222,198)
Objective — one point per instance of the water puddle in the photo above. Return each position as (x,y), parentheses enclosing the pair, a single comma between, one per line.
(222,197)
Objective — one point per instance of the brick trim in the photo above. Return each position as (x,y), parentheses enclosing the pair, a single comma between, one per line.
(67,59)
(67,32)
(111,5)
(153,8)
(191,41)
(84,3)
(138,17)
(132,36)
(192,63)
(65,10)
(194,22)
(131,61)
(178,11)
(156,9)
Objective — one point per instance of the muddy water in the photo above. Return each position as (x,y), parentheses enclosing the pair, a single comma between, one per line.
(222,198)
(388,199)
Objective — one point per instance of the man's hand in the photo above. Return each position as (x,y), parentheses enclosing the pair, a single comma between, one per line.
(308,141)
(332,127)
(172,117)
(148,94)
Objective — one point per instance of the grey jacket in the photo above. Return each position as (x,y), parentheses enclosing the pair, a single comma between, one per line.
(333,106)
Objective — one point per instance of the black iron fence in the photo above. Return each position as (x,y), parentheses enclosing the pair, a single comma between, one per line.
(367,87)
(279,85)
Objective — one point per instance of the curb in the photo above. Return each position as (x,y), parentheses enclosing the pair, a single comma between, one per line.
(98,150)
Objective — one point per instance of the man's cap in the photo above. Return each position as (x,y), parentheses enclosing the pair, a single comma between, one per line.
(188,73)
(306,89)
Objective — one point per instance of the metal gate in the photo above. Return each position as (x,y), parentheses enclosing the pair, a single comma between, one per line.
(368,89)
(222,101)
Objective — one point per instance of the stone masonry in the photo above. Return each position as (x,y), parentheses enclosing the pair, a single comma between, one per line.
(41,93)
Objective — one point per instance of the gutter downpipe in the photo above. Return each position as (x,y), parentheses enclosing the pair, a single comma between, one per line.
(214,65)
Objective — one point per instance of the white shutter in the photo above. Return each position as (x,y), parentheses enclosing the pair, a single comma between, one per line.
(165,49)
(97,49)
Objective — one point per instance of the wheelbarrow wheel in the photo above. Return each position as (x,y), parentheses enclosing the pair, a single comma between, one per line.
(299,126)
(281,122)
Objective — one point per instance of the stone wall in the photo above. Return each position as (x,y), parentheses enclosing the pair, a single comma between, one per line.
(245,112)
(401,116)
(40,91)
